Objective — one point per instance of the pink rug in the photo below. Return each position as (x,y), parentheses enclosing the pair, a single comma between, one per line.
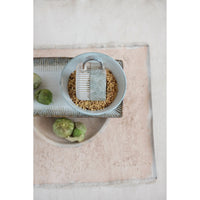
(124,150)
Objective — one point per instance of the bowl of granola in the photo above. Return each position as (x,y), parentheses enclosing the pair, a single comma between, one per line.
(115,85)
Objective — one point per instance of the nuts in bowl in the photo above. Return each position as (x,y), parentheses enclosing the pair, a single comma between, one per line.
(115,85)
(111,93)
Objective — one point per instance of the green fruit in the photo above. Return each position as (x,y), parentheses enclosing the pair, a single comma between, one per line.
(44,96)
(36,80)
(63,127)
(78,134)
(75,139)
(80,129)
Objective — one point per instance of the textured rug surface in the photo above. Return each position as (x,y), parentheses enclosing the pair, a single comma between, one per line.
(124,150)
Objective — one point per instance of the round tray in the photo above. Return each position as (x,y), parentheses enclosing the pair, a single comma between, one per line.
(43,127)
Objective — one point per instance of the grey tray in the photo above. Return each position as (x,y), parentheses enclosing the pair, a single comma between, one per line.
(49,68)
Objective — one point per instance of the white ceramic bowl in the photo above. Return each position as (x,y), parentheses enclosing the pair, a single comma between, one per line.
(108,63)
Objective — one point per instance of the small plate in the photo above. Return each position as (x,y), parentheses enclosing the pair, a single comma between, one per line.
(43,127)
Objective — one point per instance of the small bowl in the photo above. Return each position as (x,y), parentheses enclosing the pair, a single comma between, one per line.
(108,63)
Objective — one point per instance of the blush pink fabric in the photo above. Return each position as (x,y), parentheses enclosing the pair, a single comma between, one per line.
(123,151)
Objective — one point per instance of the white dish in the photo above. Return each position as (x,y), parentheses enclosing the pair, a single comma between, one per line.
(43,127)
(108,63)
